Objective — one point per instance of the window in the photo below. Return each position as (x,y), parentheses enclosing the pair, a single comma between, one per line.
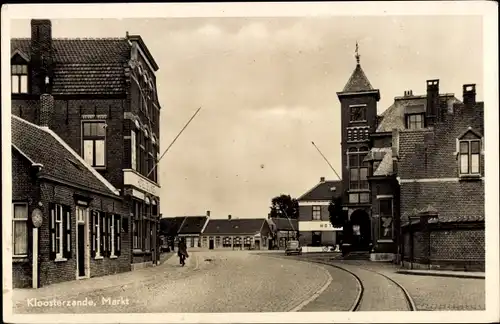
(94,143)
(316,212)
(205,241)
(415,121)
(226,242)
(60,232)
(469,156)
(386,219)
(142,154)
(358,169)
(133,147)
(358,113)
(97,230)
(19,78)
(217,241)
(20,229)
(137,228)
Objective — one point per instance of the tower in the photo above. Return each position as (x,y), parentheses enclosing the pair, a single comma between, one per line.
(358,106)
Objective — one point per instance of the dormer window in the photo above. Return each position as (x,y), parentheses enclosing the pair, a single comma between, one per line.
(469,154)
(415,121)
(19,78)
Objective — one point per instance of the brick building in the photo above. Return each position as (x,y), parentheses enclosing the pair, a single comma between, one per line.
(106,109)
(68,220)
(413,176)
(237,234)
(284,230)
(191,229)
(441,174)
(315,228)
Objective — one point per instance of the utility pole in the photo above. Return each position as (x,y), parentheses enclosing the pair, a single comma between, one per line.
(326,161)
(189,121)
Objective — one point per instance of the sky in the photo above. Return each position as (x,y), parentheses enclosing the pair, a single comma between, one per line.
(267,88)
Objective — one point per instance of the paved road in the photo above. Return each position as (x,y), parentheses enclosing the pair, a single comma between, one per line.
(232,281)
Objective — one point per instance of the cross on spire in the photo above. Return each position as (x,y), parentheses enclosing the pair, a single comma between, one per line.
(357,53)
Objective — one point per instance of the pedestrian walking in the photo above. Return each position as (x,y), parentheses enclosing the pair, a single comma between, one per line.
(182,251)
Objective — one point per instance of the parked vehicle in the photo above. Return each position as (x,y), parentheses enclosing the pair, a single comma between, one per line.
(293,247)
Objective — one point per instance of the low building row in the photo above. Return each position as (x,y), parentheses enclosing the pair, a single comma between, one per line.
(229,233)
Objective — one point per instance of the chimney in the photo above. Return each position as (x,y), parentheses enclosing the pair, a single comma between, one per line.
(41,56)
(322,179)
(46,110)
(208,213)
(432,102)
(229,217)
(408,93)
(469,94)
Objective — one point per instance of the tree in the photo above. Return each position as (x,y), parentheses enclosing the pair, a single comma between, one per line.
(337,214)
(284,206)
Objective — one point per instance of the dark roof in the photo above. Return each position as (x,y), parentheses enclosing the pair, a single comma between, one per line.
(93,66)
(358,81)
(235,226)
(59,162)
(323,191)
(170,225)
(192,225)
(394,116)
(283,224)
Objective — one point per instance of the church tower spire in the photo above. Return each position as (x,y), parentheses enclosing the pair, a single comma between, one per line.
(357,56)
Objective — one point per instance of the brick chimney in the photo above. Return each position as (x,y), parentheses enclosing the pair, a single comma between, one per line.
(469,94)
(46,110)
(229,217)
(322,179)
(208,213)
(41,56)
(432,102)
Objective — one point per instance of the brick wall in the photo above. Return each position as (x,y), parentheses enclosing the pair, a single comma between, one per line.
(449,247)
(305,213)
(53,272)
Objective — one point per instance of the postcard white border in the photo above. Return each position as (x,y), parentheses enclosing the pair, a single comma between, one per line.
(488,10)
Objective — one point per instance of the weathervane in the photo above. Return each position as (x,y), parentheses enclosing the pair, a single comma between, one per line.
(357,52)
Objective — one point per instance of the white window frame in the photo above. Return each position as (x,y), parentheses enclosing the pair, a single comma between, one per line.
(14,220)
(133,145)
(113,236)
(19,78)
(315,209)
(410,122)
(98,225)
(469,157)
(59,224)
(94,139)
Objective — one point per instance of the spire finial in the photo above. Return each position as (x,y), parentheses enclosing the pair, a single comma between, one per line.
(357,53)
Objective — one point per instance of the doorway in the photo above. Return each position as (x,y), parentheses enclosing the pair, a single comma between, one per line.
(211,243)
(316,239)
(82,242)
(361,230)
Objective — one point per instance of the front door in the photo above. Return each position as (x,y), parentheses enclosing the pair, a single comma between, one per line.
(82,242)
(211,244)
(257,244)
(316,239)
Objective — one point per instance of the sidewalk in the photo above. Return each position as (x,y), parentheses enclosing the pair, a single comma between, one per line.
(443,273)
(78,287)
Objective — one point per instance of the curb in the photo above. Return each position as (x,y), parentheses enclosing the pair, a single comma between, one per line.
(437,274)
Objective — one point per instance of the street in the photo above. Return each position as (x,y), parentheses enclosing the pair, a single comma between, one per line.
(243,281)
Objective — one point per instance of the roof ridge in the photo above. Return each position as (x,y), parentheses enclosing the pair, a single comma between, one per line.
(75,155)
(74,38)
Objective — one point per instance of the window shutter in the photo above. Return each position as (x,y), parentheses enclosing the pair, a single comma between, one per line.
(108,231)
(67,232)
(101,230)
(93,220)
(118,240)
(52,230)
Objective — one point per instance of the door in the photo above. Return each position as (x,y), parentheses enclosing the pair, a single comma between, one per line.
(82,242)
(257,244)
(316,239)
(211,244)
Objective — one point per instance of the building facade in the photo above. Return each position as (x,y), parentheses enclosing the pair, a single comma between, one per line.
(191,229)
(106,109)
(441,175)
(68,221)
(237,234)
(283,230)
(315,229)
(413,176)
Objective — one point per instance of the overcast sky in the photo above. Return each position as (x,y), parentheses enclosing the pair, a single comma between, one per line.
(267,88)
